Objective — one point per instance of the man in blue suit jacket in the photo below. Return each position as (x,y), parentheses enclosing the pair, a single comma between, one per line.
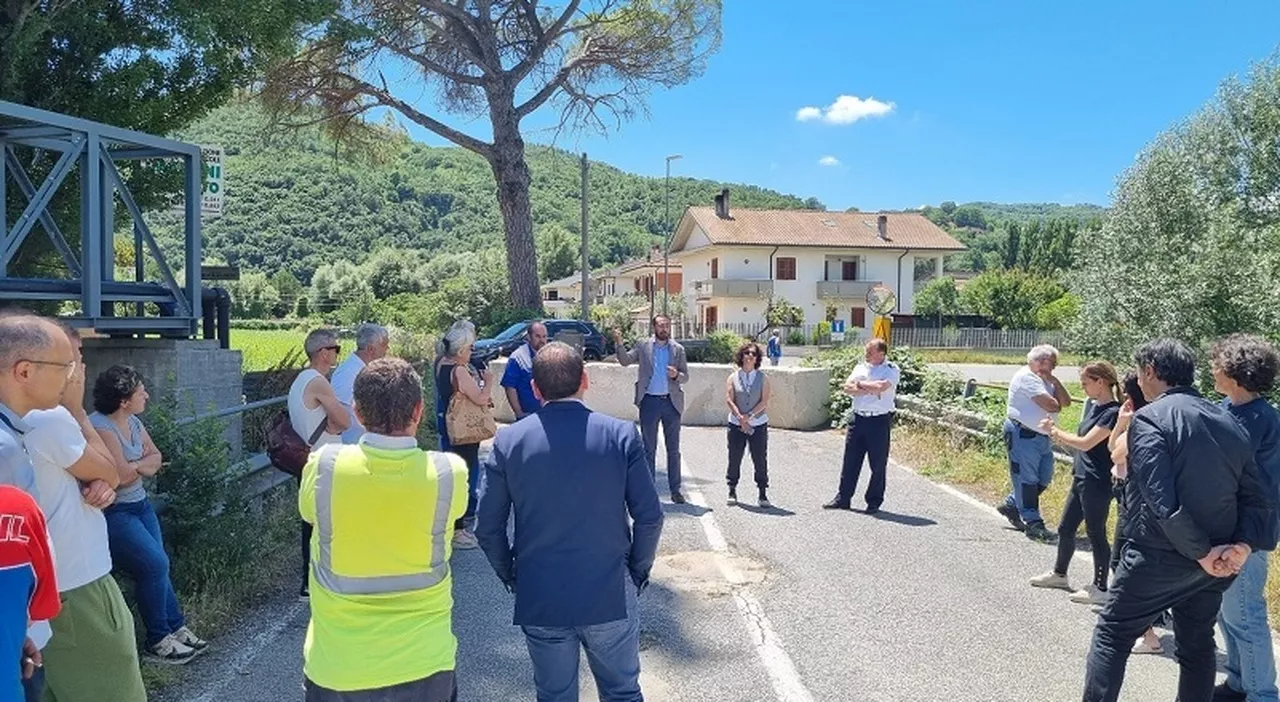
(573,477)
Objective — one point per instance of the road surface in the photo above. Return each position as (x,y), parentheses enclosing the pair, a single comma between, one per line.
(926,601)
(993,373)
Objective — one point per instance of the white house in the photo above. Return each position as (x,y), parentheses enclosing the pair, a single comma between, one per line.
(735,261)
(560,298)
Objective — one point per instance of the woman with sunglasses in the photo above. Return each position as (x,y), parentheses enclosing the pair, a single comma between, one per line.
(747,394)
(133,532)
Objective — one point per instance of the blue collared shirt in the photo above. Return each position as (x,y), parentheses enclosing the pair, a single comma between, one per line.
(1262,421)
(15,464)
(659,384)
(519,377)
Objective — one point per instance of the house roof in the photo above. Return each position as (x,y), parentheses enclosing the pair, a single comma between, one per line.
(570,281)
(905,230)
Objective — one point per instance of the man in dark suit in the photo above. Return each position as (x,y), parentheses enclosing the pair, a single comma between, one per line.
(662,369)
(573,477)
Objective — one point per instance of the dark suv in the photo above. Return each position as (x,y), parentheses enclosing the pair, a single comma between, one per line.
(594,345)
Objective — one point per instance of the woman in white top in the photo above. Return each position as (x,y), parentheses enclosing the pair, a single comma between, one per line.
(316,415)
(747,394)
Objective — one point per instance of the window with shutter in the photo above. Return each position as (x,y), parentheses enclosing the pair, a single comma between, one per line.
(715,268)
(786,269)
(859,317)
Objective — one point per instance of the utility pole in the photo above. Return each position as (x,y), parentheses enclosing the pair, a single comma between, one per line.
(666,250)
(586,270)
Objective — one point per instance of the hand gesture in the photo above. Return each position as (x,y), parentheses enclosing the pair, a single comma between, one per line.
(488,377)
(672,373)
(1225,561)
(73,393)
(617,337)
(1047,425)
(1119,471)
(1235,555)
(31,659)
(98,494)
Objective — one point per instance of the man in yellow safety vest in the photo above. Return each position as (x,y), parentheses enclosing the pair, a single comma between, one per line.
(381,591)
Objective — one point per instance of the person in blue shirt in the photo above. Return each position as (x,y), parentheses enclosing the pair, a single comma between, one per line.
(1244,369)
(517,379)
(775,347)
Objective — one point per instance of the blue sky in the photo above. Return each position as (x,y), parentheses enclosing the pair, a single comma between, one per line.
(1008,101)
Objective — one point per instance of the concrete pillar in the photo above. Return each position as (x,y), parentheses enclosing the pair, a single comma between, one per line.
(202,376)
(937,270)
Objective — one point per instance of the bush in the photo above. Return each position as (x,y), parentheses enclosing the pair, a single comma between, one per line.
(841,361)
(404,310)
(795,338)
(822,335)
(721,346)
(303,308)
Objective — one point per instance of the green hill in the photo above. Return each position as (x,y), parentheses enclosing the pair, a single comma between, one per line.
(295,200)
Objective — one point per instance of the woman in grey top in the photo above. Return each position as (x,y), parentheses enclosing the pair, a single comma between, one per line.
(747,394)
(137,546)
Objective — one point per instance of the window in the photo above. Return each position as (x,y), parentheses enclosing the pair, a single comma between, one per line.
(715,268)
(553,294)
(786,269)
(848,270)
(858,318)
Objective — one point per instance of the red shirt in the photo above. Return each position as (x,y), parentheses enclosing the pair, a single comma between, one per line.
(28,590)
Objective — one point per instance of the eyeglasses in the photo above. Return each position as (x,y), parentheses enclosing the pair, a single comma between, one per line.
(335,348)
(69,365)
(750,353)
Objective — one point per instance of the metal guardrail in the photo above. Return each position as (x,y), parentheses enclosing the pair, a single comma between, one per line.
(234,410)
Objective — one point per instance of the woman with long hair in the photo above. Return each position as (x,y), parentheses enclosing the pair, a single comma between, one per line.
(1090,498)
(747,394)
(456,375)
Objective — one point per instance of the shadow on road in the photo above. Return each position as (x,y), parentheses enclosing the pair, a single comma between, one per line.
(904,519)
(774,511)
(686,509)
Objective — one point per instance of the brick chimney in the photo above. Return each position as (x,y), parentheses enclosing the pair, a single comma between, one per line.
(722,204)
(882,227)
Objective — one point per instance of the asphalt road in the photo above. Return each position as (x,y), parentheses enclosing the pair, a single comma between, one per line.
(926,601)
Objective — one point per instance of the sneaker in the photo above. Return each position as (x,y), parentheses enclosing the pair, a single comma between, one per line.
(464,540)
(1141,648)
(1010,512)
(1225,693)
(733,497)
(304,595)
(677,498)
(764,501)
(838,502)
(1052,581)
(1090,595)
(190,640)
(1036,531)
(170,651)
(872,509)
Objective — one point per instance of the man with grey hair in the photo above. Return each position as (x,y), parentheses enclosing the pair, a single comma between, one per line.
(372,343)
(315,412)
(36,361)
(1034,395)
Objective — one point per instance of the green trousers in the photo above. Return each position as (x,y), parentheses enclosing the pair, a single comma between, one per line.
(92,656)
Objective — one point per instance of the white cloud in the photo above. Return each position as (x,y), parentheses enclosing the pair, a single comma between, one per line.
(828,161)
(847,109)
(806,114)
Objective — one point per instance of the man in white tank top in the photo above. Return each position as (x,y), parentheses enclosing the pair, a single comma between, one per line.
(312,402)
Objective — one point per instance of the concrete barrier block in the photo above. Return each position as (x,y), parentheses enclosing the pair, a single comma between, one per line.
(798,401)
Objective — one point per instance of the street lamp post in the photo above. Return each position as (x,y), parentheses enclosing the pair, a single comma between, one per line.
(666,250)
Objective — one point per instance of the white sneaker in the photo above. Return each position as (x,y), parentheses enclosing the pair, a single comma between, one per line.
(464,540)
(1090,595)
(1052,580)
(190,640)
(1141,648)
(170,651)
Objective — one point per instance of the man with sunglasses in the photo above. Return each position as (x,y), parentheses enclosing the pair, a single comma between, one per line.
(36,360)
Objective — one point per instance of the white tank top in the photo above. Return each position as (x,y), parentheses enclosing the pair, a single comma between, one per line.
(305,420)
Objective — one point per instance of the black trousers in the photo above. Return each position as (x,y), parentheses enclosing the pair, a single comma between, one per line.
(758,440)
(441,687)
(867,438)
(1090,502)
(1147,582)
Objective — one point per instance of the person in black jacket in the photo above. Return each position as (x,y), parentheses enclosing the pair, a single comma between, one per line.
(1196,508)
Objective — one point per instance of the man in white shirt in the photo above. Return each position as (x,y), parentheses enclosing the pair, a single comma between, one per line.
(372,343)
(873,385)
(1034,394)
(89,657)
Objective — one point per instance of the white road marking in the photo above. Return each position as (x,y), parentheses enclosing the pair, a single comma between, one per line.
(777,664)
(249,653)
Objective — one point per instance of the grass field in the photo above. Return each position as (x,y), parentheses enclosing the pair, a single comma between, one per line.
(984,473)
(994,357)
(263,349)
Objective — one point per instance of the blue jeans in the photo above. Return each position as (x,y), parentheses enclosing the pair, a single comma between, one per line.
(613,652)
(655,409)
(1251,664)
(138,549)
(1030,469)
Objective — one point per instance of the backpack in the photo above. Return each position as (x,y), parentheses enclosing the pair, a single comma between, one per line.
(287,451)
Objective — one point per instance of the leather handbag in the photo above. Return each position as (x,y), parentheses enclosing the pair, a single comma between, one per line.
(467,422)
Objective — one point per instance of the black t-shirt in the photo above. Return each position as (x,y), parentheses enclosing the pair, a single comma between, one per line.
(1095,463)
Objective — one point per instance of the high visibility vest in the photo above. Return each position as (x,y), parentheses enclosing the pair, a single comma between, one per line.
(406,515)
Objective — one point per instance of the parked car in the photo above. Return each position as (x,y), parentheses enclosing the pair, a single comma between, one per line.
(594,344)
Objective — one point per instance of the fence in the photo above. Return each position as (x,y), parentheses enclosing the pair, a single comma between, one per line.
(974,338)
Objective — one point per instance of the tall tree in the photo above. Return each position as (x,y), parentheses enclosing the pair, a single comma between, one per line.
(503,60)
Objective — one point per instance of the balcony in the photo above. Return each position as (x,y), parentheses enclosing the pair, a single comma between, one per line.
(845,289)
(707,289)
